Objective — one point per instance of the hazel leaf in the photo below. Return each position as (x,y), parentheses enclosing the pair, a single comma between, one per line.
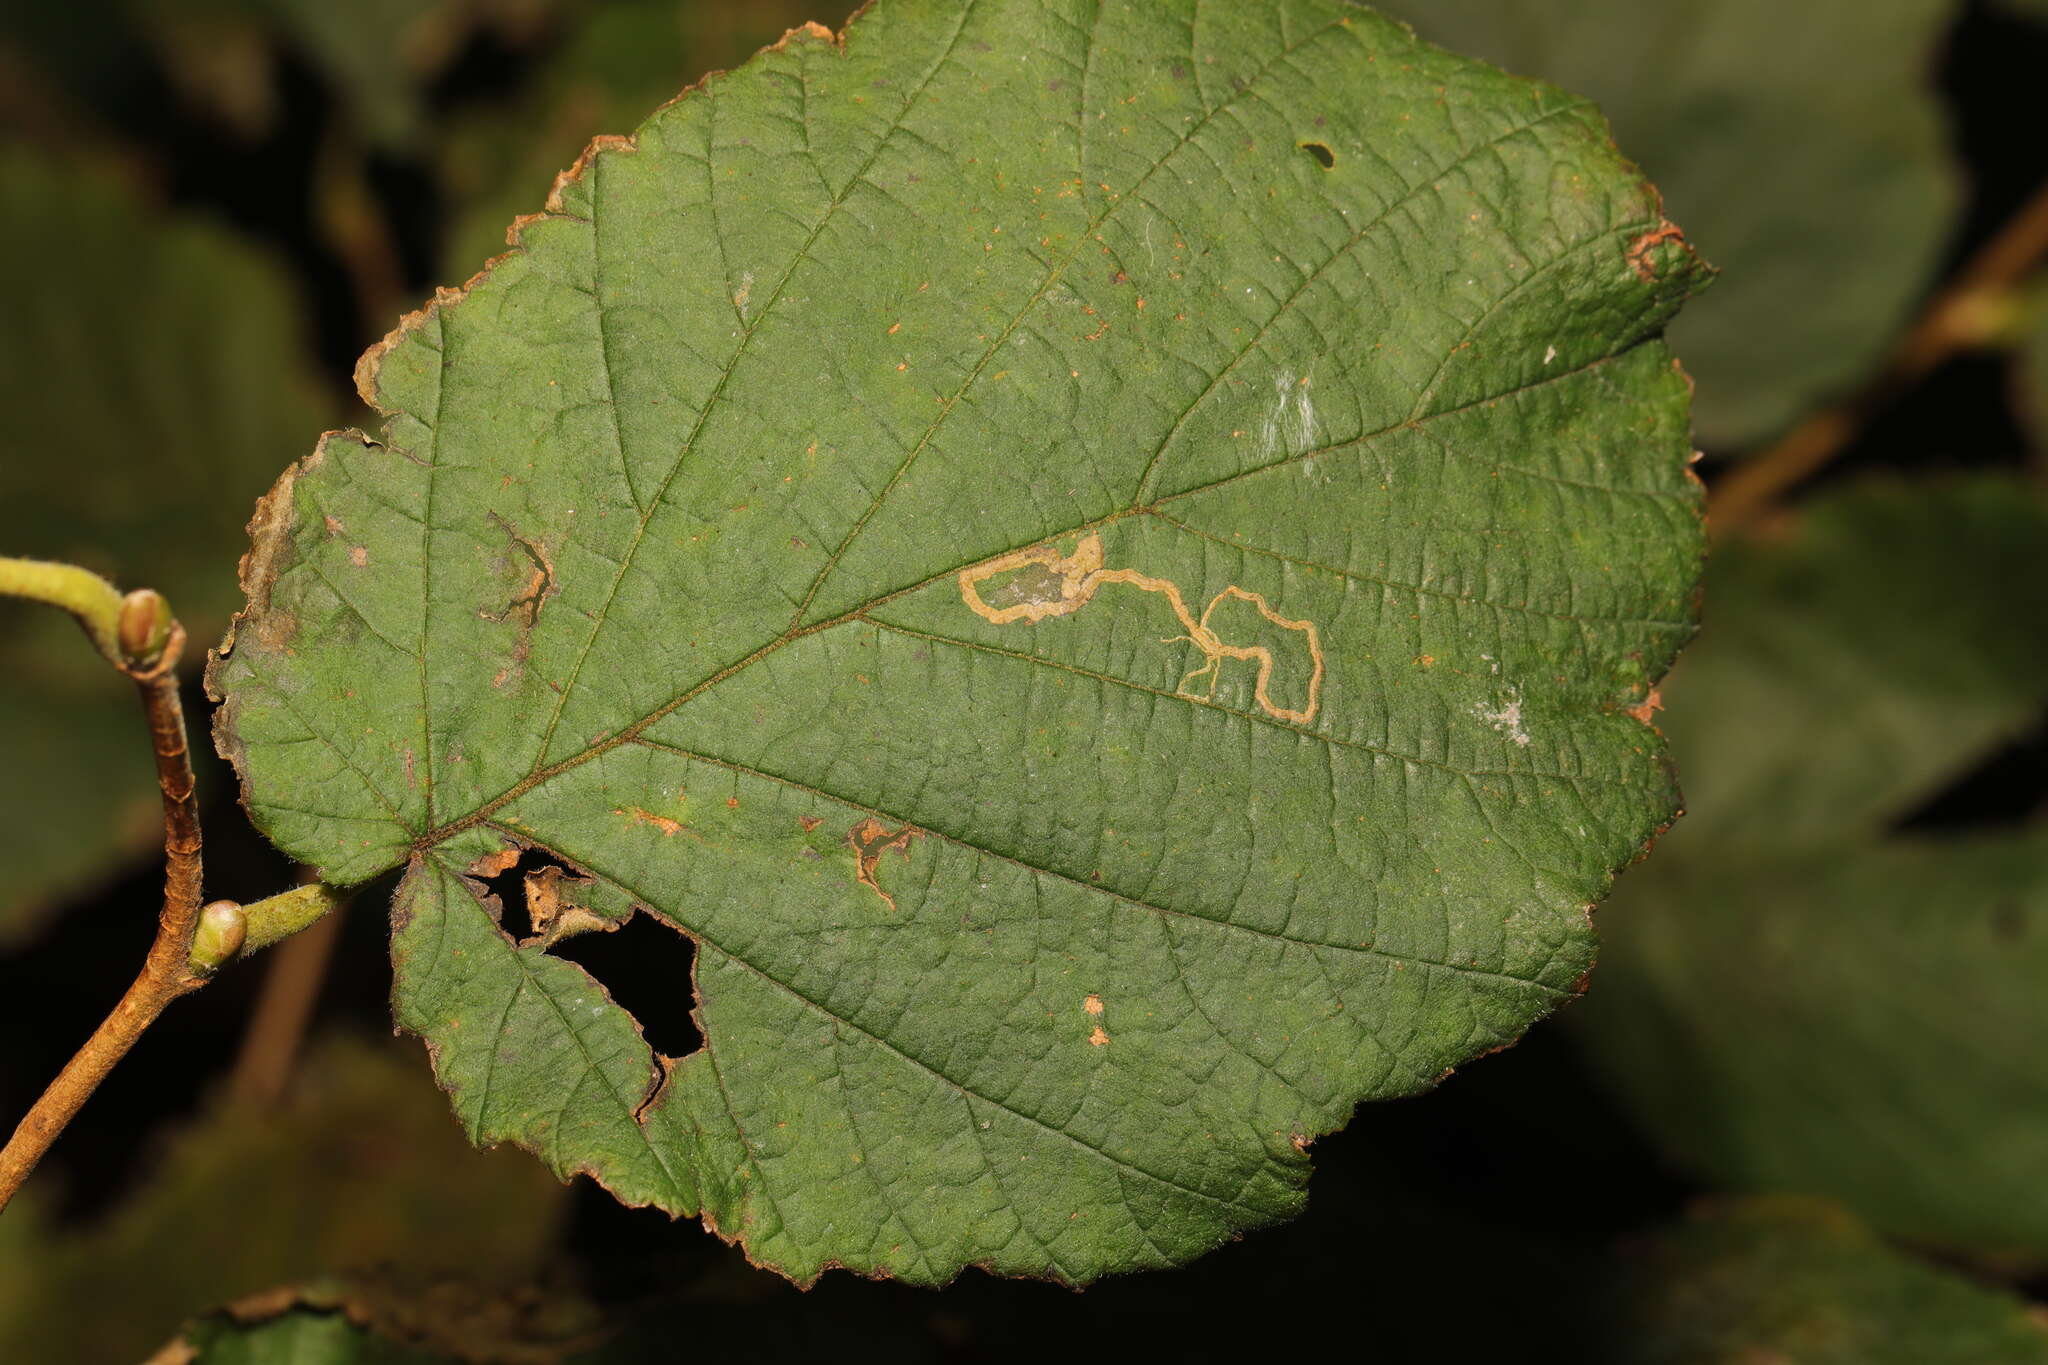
(1111,636)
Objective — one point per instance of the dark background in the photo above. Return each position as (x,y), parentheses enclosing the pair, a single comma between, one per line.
(1471,1222)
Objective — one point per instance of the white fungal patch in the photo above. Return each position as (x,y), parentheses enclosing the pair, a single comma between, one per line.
(1549,354)
(1289,426)
(1507,718)
(746,289)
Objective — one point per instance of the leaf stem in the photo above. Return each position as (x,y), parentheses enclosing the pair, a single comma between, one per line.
(138,635)
(228,930)
(281,916)
(94,601)
(166,972)
(1963,314)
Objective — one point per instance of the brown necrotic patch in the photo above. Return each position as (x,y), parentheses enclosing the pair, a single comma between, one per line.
(669,826)
(1642,252)
(531,572)
(869,840)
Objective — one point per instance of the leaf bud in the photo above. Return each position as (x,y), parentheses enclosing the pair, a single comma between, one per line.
(144,626)
(222,928)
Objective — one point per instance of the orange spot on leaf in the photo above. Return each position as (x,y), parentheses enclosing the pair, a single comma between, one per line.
(1649,706)
(648,817)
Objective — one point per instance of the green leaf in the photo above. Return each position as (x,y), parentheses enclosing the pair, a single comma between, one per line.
(358,1170)
(620,61)
(1849,1021)
(1111,637)
(153,374)
(1796,1280)
(1791,998)
(400,1318)
(1842,94)
(1856,665)
(308,1328)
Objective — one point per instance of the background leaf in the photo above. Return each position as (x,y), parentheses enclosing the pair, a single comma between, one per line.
(378,57)
(359,1171)
(300,1336)
(737,545)
(1793,997)
(1839,92)
(153,373)
(1860,658)
(1796,1280)
(1735,1283)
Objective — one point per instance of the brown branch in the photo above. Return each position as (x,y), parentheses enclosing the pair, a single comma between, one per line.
(1962,315)
(166,972)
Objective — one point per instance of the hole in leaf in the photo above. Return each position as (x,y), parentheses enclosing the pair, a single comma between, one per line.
(2007,788)
(511,887)
(645,965)
(1323,155)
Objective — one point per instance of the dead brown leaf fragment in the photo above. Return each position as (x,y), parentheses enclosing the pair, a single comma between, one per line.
(1648,707)
(493,864)
(544,899)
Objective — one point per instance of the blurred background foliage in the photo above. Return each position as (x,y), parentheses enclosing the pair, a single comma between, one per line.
(1802,1114)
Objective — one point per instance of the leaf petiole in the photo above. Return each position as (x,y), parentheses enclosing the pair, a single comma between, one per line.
(94,601)
(228,930)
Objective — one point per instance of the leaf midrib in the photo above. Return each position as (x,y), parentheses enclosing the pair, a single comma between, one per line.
(802,254)
(542,773)
(522,834)
(731,367)
(632,731)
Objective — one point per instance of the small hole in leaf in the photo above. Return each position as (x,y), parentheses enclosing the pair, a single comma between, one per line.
(645,965)
(1323,155)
